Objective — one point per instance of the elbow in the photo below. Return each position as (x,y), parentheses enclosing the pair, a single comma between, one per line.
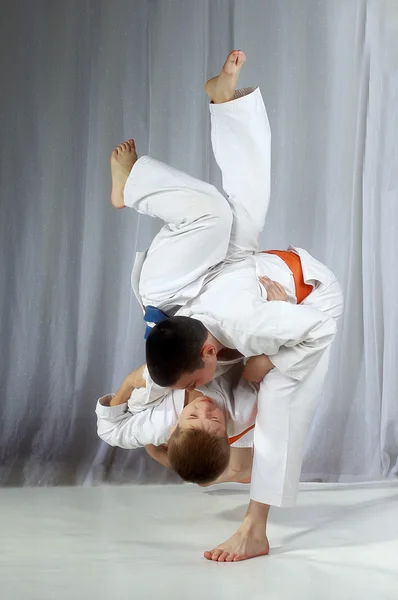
(324,333)
(106,435)
(333,328)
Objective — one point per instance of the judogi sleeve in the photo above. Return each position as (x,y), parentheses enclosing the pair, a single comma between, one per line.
(117,426)
(293,336)
(145,419)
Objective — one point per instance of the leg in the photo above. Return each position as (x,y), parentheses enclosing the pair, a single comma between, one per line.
(197,231)
(241,140)
(285,410)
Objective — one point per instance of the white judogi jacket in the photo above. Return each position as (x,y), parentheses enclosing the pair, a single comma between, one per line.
(234,308)
(149,415)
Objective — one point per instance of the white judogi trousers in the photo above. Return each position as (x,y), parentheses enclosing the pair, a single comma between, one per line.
(206,260)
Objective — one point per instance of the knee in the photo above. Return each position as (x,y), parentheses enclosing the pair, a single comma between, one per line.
(218,210)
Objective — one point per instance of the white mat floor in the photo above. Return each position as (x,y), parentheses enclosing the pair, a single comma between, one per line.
(140,543)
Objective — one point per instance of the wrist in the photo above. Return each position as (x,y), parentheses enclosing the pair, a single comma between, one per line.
(117,400)
(122,395)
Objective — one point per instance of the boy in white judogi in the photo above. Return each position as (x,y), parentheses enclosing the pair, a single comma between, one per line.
(132,421)
(204,265)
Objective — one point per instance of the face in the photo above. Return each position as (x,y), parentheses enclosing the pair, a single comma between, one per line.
(203,413)
(202,376)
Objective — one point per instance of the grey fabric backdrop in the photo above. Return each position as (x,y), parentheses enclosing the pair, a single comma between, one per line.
(77,78)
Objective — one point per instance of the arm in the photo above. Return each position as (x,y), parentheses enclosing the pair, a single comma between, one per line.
(294,337)
(129,419)
(117,426)
(131,382)
(257,367)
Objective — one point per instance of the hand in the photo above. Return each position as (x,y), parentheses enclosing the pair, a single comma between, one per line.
(256,368)
(132,381)
(135,379)
(275,291)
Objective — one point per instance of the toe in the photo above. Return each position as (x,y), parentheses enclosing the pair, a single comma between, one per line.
(241,57)
(208,554)
(238,557)
(216,554)
(230,558)
(223,556)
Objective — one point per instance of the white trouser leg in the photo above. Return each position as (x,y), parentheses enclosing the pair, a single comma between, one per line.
(241,139)
(196,234)
(285,410)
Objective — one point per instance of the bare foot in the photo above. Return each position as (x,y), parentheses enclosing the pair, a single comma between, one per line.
(244,544)
(221,88)
(122,160)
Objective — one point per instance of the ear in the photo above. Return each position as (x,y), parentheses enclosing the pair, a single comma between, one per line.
(172,430)
(208,350)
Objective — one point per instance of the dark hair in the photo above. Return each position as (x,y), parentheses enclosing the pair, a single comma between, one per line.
(174,347)
(197,455)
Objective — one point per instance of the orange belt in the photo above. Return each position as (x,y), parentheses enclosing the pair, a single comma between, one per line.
(235,438)
(294,263)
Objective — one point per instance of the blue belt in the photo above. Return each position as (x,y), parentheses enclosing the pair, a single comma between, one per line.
(152,317)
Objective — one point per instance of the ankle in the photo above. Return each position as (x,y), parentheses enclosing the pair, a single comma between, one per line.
(222,98)
(257,514)
(253,526)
